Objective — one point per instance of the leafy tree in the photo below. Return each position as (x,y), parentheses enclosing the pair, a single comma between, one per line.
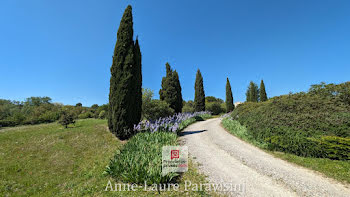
(214,107)
(263,96)
(171,89)
(78,105)
(37,101)
(252,93)
(102,114)
(94,106)
(188,106)
(153,109)
(66,119)
(199,95)
(213,99)
(125,82)
(229,98)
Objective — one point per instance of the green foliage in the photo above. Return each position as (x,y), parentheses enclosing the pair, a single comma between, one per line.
(102,114)
(138,83)
(153,109)
(78,105)
(334,147)
(66,119)
(234,127)
(215,108)
(209,99)
(229,98)
(263,96)
(142,157)
(37,101)
(33,110)
(214,105)
(299,123)
(171,89)
(157,109)
(336,91)
(199,95)
(125,83)
(252,93)
(188,106)
(86,115)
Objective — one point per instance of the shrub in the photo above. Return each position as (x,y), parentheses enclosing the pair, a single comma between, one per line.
(156,109)
(188,107)
(215,108)
(85,115)
(334,147)
(293,123)
(102,114)
(66,119)
(49,116)
(141,159)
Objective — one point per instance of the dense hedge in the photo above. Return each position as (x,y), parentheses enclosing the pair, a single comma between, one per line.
(316,123)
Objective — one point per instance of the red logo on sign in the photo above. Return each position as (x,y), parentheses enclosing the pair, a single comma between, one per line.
(174,154)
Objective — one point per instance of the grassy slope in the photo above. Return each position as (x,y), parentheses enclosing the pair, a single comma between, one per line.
(338,170)
(47,160)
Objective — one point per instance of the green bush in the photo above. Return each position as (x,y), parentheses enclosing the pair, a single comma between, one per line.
(187,109)
(215,108)
(49,116)
(66,119)
(85,115)
(288,123)
(334,147)
(102,115)
(156,109)
(141,159)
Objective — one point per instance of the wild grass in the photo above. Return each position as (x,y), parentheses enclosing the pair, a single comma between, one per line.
(48,160)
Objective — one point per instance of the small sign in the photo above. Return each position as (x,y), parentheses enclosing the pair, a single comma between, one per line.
(174,159)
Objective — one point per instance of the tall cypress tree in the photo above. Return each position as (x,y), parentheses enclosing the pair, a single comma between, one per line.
(263,96)
(171,89)
(252,92)
(166,83)
(138,82)
(179,104)
(229,98)
(199,95)
(125,83)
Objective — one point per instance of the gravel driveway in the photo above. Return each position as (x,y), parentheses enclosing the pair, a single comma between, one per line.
(251,171)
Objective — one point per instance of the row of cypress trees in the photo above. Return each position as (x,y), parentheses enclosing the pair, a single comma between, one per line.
(171,91)
(254,94)
(125,95)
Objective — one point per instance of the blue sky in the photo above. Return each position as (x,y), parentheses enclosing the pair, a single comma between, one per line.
(63,49)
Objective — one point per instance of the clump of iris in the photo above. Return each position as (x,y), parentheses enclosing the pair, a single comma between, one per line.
(169,124)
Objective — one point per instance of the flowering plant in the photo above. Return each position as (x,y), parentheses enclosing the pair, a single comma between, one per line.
(169,124)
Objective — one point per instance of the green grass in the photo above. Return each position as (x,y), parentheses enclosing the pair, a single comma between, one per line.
(336,169)
(142,156)
(339,170)
(48,160)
